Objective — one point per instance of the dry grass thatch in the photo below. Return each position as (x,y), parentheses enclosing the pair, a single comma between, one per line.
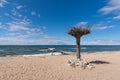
(78,31)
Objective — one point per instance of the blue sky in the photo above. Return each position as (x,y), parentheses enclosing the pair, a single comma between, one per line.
(46,22)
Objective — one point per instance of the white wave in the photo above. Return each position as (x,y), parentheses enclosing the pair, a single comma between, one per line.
(51,49)
(43,50)
(47,54)
(81,48)
(57,53)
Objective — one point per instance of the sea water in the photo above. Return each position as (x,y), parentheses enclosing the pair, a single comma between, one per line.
(40,50)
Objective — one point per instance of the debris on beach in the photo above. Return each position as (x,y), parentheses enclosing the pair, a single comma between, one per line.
(82,63)
(66,53)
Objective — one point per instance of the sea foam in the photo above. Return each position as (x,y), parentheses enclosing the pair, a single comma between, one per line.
(46,54)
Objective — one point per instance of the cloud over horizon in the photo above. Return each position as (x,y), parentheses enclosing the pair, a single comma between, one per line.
(101,42)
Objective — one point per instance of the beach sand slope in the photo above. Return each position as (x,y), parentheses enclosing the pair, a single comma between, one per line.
(107,67)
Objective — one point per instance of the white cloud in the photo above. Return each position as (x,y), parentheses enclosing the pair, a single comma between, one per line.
(13,41)
(6,14)
(17,25)
(19,15)
(113,6)
(116,17)
(21,28)
(81,24)
(33,13)
(51,41)
(2,3)
(101,42)
(21,32)
(102,26)
(26,41)
(19,7)
(48,37)
(99,26)
(16,13)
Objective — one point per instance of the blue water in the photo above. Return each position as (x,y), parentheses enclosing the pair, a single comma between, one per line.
(10,50)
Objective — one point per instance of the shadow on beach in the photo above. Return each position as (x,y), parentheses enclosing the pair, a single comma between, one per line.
(99,62)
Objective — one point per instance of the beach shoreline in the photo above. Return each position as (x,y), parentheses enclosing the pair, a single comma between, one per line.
(56,67)
(59,54)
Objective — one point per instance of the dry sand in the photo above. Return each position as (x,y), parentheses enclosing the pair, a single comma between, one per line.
(107,67)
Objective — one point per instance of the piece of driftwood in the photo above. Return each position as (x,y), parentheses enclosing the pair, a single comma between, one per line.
(64,53)
(52,50)
(82,63)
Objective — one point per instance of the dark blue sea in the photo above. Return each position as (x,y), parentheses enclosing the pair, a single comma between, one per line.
(14,50)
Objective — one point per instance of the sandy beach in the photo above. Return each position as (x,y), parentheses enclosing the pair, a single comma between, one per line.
(107,67)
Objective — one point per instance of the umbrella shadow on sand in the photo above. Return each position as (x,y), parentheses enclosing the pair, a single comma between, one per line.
(99,62)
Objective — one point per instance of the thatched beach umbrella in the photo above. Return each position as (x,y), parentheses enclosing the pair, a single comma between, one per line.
(78,32)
